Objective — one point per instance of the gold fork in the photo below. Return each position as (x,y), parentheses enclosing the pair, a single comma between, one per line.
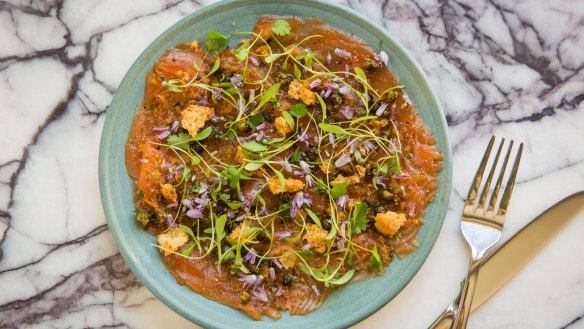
(482,224)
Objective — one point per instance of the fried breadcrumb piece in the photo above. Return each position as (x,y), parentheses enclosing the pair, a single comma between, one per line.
(388,223)
(354,179)
(239,232)
(282,126)
(290,185)
(172,240)
(194,118)
(298,91)
(168,192)
(316,237)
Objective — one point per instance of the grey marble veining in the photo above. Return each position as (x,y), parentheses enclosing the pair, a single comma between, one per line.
(513,68)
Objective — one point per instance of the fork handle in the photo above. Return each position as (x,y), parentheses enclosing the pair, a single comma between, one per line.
(466,294)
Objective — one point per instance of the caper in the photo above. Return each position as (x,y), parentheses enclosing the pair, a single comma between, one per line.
(242,126)
(386,194)
(245,297)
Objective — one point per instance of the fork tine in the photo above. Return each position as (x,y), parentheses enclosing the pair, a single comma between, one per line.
(495,193)
(487,185)
(511,183)
(473,191)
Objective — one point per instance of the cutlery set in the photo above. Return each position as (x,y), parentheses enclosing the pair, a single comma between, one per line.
(481,226)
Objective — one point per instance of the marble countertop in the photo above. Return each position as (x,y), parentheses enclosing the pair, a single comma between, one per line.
(515,69)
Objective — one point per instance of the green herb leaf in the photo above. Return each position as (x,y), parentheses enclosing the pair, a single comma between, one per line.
(344,279)
(254,146)
(309,55)
(187,252)
(375,263)
(215,66)
(180,140)
(359,218)
(234,175)
(295,157)
(314,217)
(298,110)
(306,254)
(215,41)
(322,105)
(281,27)
(195,160)
(332,233)
(269,94)
(234,205)
(187,230)
(391,166)
(361,74)
(203,134)
(220,226)
(242,52)
(256,120)
(252,166)
(272,58)
(339,189)
(289,119)
(297,73)
(172,85)
(337,130)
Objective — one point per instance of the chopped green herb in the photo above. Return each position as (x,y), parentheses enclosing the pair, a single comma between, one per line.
(215,41)
(298,110)
(281,27)
(375,263)
(329,128)
(254,146)
(289,120)
(359,218)
(339,189)
(295,157)
(255,120)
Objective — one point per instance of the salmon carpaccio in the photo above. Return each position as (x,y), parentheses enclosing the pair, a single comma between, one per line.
(277,171)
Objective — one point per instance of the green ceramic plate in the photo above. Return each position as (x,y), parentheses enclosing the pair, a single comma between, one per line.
(346,306)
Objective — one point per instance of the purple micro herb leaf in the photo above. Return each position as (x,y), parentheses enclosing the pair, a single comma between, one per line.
(143,160)
(163,134)
(329,60)
(272,274)
(342,53)
(286,165)
(160,128)
(344,90)
(332,139)
(174,126)
(327,93)
(307,246)
(260,294)
(347,69)
(340,244)
(250,257)
(253,60)
(236,80)
(188,203)
(381,109)
(172,205)
(392,113)
(248,280)
(348,112)
(315,83)
(331,85)
(305,166)
(342,201)
(277,263)
(170,220)
(279,292)
(412,208)
(343,160)
(379,181)
(283,235)
(315,289)
(259,136)
(343,231)
(258,282)
(384,57)
(195,213)
(309,180)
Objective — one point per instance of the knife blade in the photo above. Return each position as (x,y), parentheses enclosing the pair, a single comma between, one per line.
(507,260)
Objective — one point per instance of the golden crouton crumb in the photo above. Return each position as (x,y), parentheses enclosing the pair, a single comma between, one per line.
(239,232)
(263,51)
(298,91)
(194,118)
(354,179)
(388,223)
(284,106)
(239,156)
(288,260)
(360,170)
(326,167)
(377,125)
(290,185)
(173,239)
(168,192)
(316,236)
(194,45)
(282,126)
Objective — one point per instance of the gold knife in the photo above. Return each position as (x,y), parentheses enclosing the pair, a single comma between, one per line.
(501,265)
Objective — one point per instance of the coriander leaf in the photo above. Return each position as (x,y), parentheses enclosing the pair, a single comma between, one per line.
(295,157)
(298,110)
(254,146)
(203,134)
(195,160)
(180,140)
(281,27)
(241,52)
(234,175)
(337,130)
(375,263)
(359,218)
(344,279)
(288,119)
(339,189)
(269,94)
(215,41)
(392,166)
(255,120)
(314,217)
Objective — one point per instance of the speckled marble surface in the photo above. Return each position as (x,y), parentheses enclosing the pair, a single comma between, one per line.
(515,69)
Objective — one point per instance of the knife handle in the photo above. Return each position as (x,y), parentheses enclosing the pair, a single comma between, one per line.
(446,319)
(466,295)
